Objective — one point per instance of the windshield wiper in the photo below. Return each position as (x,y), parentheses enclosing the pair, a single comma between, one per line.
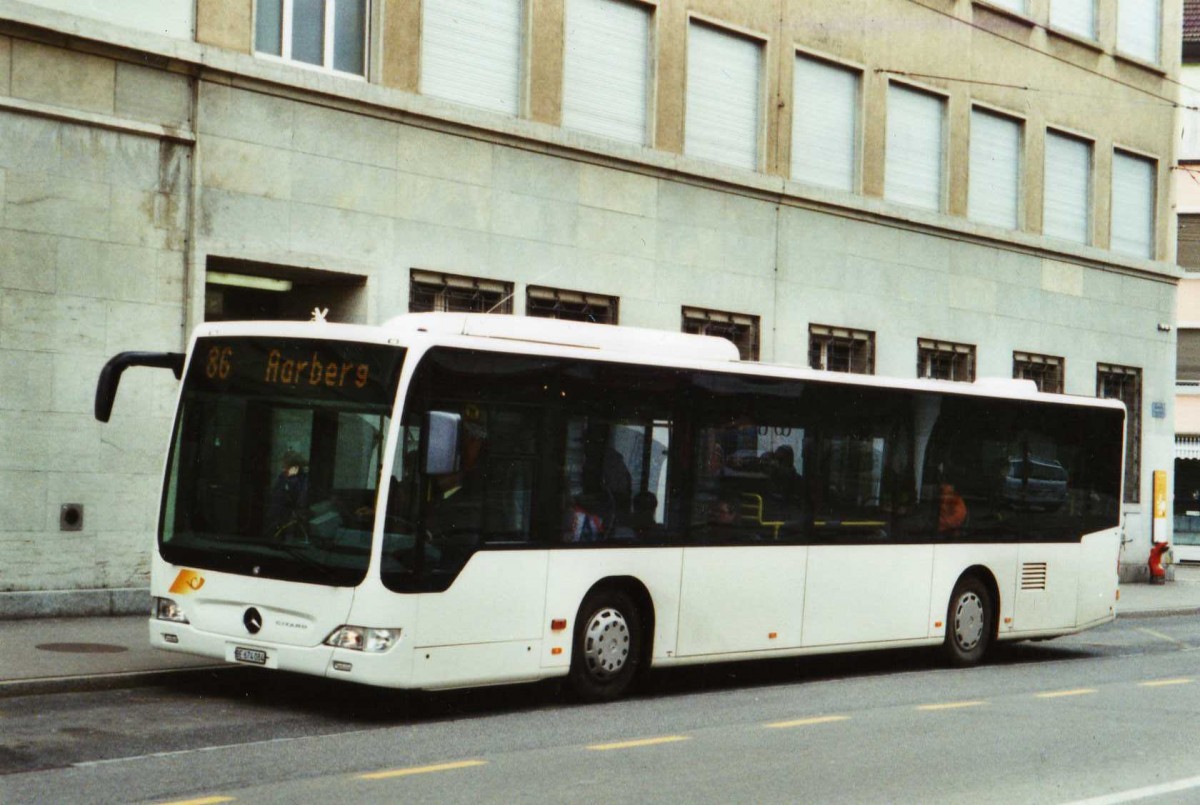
(295,552)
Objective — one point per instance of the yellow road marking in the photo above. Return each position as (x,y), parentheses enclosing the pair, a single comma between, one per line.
(1158,683)
(1055,694)
(387,775)
(666,739)
(805,722)
(201,801)
(950,705)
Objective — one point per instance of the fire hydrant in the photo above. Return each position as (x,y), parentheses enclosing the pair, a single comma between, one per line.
(1158,574)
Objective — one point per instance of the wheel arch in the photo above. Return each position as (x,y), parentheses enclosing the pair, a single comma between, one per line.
(640,594)
(985,575)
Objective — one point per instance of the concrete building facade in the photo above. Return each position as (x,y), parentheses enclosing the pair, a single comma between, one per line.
(944,187)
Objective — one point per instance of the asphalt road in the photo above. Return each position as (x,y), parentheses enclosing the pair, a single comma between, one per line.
(1114,712)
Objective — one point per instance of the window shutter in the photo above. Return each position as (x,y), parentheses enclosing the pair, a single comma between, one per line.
(1066,209)
(606,69)
(994,194)
(1074,16)
(723,110)
(825,126)
(1132,205)
(471,52)
(915,148)
(1138,24)
(1012,5)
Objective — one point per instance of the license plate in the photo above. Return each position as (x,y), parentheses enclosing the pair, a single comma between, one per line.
(250,655)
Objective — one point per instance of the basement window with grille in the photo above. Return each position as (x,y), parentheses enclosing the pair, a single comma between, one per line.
(740,328)
(1044,370)
(840,349)
(1124,383)
(942,360)
(429,291)
(554,303)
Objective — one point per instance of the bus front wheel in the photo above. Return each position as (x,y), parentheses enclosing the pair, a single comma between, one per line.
(969,626)
(607,651)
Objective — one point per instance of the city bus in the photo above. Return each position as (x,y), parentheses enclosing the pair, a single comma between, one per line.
(455,500)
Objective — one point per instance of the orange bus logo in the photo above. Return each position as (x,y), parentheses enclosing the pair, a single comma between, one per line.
(186,582)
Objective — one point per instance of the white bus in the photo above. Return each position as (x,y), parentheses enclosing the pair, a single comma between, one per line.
(453,500)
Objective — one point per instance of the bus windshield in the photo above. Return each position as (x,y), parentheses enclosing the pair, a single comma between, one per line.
(276,457)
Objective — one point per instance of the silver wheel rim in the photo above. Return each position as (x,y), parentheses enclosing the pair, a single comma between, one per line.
(606,643)
(968,621)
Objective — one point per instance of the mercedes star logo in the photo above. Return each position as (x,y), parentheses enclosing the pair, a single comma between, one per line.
(253,620)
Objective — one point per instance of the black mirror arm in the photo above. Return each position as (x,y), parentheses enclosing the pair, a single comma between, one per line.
(110,375)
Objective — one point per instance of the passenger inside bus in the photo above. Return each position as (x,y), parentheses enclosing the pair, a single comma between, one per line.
(288,502)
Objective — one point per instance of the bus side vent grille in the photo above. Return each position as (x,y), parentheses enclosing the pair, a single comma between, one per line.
(1033,576)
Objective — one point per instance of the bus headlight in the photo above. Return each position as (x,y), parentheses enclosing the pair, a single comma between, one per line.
(167,610)
(363,638)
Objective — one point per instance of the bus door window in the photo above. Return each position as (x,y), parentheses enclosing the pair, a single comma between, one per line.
(615,478)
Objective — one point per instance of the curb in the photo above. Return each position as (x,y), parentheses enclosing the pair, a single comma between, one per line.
(109,681)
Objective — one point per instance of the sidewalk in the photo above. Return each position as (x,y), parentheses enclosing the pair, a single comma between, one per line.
(45,655)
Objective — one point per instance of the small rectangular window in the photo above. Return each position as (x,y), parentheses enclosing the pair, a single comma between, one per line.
(1067,194)
(328,34)
(825,124)
(607,69)
(471,52)
(741,329)
(1044,370)
(942,360)
(1124,383)
(840,349)
(1074,16)
(994,192)
(916,148)
(553,303)
(1138,26)
(721,121)
(432,292)
(1133,195)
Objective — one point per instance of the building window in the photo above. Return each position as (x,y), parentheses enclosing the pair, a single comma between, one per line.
(552,303)
(1074,16)
(429,291)
(941,360)
(916,137)
(1189,240)
(606,69)
(471,52)
(1187,358)
(1067,195)
(1133,196)
(741,329)
(825,124)
(1125,384)
(1138,26)
(721,122)
(330,34)
(994,193)
(1019,6)
(1044,370)
(840,349)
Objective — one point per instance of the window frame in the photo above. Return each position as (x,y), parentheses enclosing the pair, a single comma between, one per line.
(1124,32)
(929,349)
(1059,27)
(1133,423)
(822,336)
(446,284)
(1089,193)
(760,43)
(703,321)
(1152,163)
(1028,363)
(1018,221)
(536,295)
(328,56)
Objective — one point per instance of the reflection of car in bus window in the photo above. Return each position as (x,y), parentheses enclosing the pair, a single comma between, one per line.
(1031,482)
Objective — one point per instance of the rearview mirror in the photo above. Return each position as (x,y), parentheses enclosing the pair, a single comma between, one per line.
(442,430)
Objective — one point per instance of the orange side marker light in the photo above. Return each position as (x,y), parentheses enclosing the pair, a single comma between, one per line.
(558,624)
(556,651)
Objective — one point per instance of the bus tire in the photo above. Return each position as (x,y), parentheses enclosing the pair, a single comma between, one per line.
(969,622)
(607,651)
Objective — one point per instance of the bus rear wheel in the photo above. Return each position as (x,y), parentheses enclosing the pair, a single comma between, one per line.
(607,651)
(969,622)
